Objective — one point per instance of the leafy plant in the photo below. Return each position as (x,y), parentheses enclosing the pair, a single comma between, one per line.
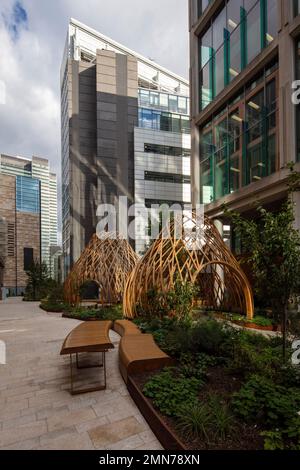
(194,421)
(170,390)
(222,418)
(274,247)
(261,401)
(195,365)
(38,282)
(211,421)
(101,313)
(176,302)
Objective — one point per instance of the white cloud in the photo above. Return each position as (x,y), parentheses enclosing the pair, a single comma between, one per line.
(30,63)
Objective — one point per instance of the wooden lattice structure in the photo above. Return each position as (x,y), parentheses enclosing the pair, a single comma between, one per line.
(107,261)
(198,255)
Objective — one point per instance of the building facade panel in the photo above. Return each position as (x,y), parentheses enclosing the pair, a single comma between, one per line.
(244,124)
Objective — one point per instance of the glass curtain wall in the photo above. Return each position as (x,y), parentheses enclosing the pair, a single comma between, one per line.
(239,145)
(234,37)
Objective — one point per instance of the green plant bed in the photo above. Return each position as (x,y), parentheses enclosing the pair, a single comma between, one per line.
(94,314)
(52,307)
(259,322)
(230,388)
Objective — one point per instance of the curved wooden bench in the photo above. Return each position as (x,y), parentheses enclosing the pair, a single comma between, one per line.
(126,327)
(88,337)
(139,353)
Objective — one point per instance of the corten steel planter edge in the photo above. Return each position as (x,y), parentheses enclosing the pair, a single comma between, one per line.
(162,431)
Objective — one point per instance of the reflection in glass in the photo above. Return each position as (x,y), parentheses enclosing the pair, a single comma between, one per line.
(253,33)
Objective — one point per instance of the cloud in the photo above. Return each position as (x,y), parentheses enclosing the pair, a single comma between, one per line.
(16,19)
(32,38)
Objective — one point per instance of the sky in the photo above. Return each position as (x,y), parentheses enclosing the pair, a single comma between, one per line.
(32,38)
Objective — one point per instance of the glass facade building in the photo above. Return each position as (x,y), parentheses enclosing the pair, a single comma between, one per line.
(36,192)
(151,155)
(238,146)
(245,126)
(233,38)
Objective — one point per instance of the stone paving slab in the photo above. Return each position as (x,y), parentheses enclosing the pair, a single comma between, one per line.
(36,408)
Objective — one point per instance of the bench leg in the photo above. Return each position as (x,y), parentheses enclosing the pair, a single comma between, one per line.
(91,389)
(87,367)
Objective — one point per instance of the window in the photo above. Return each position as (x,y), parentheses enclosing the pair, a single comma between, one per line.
(28,258)
(27,194)
(167,177)
(253,33)
(167,150)
(233,39)
(238,146)
(163,121)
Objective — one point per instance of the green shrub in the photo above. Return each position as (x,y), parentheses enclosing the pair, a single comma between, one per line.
(284,439)
(195,365)
(101,313)
(261,401)
(176,302)
(194,421)
(54,307)
(211,421)
(170,390)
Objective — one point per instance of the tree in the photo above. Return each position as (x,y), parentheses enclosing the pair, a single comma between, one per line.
(38,281)
(274,247)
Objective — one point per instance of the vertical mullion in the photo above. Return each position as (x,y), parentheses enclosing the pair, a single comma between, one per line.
(263,23)
(244,54)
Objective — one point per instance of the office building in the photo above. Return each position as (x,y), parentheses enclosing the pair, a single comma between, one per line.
(245,128)
(19,230)
(116,106)
(35,176)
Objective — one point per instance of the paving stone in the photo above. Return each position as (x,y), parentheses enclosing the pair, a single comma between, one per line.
(109,434)
(34,391)
(12,423)
(72,442)
(22,433)
(126,444)
(64,420)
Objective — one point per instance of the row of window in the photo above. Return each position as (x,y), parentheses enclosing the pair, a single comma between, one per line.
(235,37)
(167,150)
(27,194)
(167,177)
(149,203)
(156,100)
(239,145)
(163,121)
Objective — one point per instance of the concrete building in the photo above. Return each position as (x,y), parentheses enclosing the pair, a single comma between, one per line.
(108,92)
(37,172)
(20,227)
(245,128)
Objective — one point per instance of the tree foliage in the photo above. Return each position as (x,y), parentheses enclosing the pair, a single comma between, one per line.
(38,282)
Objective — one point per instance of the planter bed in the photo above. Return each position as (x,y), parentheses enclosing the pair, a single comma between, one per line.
(244,437)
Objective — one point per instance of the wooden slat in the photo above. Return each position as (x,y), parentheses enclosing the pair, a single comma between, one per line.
(199,256)
(88,337)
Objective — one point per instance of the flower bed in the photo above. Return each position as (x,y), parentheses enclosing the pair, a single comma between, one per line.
(229,389)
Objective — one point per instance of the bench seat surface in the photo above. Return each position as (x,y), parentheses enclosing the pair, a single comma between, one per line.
(88,337)
(126,327)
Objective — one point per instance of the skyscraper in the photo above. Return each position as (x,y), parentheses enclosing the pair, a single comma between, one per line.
(29,174)
(245,128)
(125,132)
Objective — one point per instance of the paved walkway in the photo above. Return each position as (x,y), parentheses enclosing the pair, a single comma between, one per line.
(36,409)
